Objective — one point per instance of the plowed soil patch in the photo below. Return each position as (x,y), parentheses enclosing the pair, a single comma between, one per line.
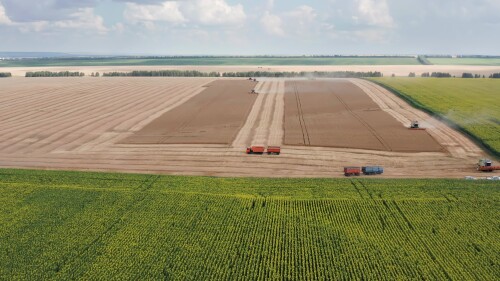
(212,117)
(337,113)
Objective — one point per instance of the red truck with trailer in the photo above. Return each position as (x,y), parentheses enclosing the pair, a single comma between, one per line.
(352,171)
(276,150)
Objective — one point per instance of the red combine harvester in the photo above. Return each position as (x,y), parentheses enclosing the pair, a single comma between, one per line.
(415,126)
(352,171)
(260,150)
(484,165)
(273,150)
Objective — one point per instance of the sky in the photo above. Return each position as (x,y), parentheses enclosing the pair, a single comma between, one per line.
(258,27)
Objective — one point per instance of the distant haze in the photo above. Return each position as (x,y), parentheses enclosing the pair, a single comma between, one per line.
(260,27)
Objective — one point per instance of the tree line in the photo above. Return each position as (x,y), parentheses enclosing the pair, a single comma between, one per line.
(54,74)
(448,75)
(162,73)
(193,73)
(315,74)
(5,74)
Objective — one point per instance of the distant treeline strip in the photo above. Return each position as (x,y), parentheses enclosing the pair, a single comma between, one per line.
(181,73)
(318,74)
(54,74)
(5,74)
(163,73)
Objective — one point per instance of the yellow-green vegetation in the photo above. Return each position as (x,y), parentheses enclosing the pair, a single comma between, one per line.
(465,61)
(472,104)
(96,226)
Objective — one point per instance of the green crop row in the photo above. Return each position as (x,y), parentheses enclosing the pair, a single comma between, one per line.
(472,105)
(89,226)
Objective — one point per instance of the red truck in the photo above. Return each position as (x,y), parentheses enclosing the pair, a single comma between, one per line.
(255,150)
(260,150)
(352,171)
(273,150)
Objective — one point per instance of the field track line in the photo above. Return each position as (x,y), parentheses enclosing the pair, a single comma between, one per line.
(261,135)
(276,129)
(362,121)
(244,135)
(303,127)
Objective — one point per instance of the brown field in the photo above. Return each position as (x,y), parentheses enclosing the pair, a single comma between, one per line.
(81,123)
(212,117)
(337,113)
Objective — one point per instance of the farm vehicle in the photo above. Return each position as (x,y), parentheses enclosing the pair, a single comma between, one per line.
(485,165)
(366,170)
(276,150)
(415,126)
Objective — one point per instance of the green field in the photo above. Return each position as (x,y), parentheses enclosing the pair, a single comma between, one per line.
(97,226)
(210,61)
(472,104)
(465,61)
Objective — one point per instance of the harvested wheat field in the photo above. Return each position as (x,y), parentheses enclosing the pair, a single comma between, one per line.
(87,124)
(212,117)
(337,113)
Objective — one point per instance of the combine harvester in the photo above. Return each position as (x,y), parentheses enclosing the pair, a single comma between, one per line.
(271,150)
(366,170)
(485,165)
(415,126)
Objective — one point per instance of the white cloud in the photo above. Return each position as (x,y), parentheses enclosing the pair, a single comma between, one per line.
(167,12)
(299,21)
(204,12)
(4,19)
(84,19)
(272,24)
(214,12)
(302,18)
(374,12)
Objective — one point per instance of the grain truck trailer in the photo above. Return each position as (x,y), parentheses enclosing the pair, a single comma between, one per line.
(372,170)
(273,150)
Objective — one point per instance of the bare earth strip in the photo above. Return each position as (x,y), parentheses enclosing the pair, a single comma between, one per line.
(264,125)
(73,123)
(337,113)
(212,117)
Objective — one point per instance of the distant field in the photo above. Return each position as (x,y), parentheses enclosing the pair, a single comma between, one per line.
(208,61)
(96,226)
(472,104)
(465,61)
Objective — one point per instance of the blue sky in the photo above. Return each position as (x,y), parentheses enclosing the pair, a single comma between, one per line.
(236,27)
